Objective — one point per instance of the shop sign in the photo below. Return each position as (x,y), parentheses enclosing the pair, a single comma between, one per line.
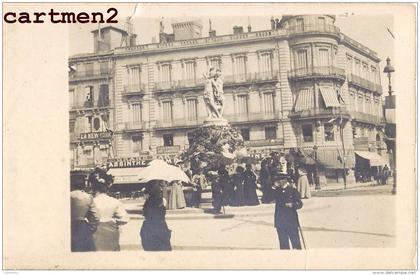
(167,150)
(95,135)
(129,162)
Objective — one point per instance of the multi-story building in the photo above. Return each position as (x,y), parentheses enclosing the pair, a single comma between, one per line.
(291,86)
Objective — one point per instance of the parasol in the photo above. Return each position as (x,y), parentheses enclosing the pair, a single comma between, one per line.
(159,170)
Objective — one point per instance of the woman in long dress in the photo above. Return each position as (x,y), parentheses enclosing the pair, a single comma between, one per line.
(112,213)
(266,183)
(303,184)
(154,233)
(250,186)
(176,196)
(238,183)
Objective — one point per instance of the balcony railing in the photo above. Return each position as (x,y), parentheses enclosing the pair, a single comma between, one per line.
(134,89)
(313,28)
(84,75)
(367,118)
(251,117)
(317,71)
(90,105)
(264,142)
(181,122)
(318,112)
(227,79)
(134,125)
(364,83)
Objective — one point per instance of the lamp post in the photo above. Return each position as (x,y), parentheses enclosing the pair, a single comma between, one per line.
(316,172)
(390,126)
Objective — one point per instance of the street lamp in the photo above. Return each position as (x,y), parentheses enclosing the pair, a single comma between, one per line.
(316,172)
(390,127)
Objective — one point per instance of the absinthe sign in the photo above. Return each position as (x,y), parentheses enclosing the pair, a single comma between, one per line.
(129,162)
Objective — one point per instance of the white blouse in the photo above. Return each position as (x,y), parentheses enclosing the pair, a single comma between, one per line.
(110,209)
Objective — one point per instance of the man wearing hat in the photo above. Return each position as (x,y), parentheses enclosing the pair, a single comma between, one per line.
(286,220)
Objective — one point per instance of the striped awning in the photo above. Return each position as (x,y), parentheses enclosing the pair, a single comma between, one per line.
(373,158)
(330,97)
(304,101)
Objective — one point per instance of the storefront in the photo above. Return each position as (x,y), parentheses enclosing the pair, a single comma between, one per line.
(368,165)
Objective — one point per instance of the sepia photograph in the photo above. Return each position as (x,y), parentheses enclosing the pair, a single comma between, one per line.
(209,136)
(233,133)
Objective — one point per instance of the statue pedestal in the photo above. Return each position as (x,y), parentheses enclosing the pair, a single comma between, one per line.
(215,122)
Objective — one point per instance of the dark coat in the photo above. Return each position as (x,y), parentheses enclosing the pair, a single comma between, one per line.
(250,188)
(285,217)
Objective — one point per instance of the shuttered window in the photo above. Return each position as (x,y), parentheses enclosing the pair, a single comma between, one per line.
(368,105)
(324,57)
(357,67)
(268,103)
(266,63)
(302,59)
(240,67)
(166,73)
(351,101)
(349,65)
(167,110)
(360,104)
(192,109)
(189,70)
(136,112)
(134,77)
(242,105)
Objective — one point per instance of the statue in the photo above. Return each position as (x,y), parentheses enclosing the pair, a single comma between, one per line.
(213,93)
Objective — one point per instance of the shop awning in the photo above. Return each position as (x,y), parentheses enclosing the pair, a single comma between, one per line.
(304,101)
(373,158)
(127,175)
(330,97)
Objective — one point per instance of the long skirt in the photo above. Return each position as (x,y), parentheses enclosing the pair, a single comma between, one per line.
(155,236)
(107,237)
(176,198)
(81,237)
(303,187)
(250,193)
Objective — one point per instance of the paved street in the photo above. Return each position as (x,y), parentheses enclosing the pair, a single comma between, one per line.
(357,217)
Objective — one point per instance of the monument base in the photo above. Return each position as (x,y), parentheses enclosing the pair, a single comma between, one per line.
(215,122)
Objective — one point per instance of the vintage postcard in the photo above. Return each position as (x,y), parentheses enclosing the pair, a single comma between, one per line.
(209,136)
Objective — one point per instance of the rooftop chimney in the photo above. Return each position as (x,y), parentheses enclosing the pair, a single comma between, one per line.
(238,30)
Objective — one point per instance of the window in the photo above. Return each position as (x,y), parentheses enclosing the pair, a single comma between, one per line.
(190,138)
(190,70)
(89,68)
(168,140)
(136,112)
(167,110)
(214,62)
(165,73)
(328,132)
(103,99)
(302,59)
(242,105)
(365,71)
(299,24)
(71,98)
(270,133)
(72,124)
(103,67)
(134,78)
(357,67)
(245,134)
(349,64)
(96,124)
(89,96)
(352,100)
(266,63)
(321,21)
(307,133)
(368,105)
(136,144)
(192,109)
(360,105)
(240,67)
(268,103)
(354,131)
(324,57)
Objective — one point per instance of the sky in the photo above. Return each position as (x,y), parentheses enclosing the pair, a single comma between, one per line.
(370,30)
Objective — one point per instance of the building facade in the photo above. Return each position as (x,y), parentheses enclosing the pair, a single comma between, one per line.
(301,85)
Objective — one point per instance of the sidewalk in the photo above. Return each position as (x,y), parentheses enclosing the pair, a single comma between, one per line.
(134,208)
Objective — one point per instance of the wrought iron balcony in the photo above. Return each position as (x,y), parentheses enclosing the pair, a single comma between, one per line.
(367,118)
(134,89)
(179,122)
(90,105)
(88,75)
(251,117)
(134,126)
(317,72)
(320,113)
(364,83)
(313,28)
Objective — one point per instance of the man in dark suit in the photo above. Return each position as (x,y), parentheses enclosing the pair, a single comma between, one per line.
(285,216)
